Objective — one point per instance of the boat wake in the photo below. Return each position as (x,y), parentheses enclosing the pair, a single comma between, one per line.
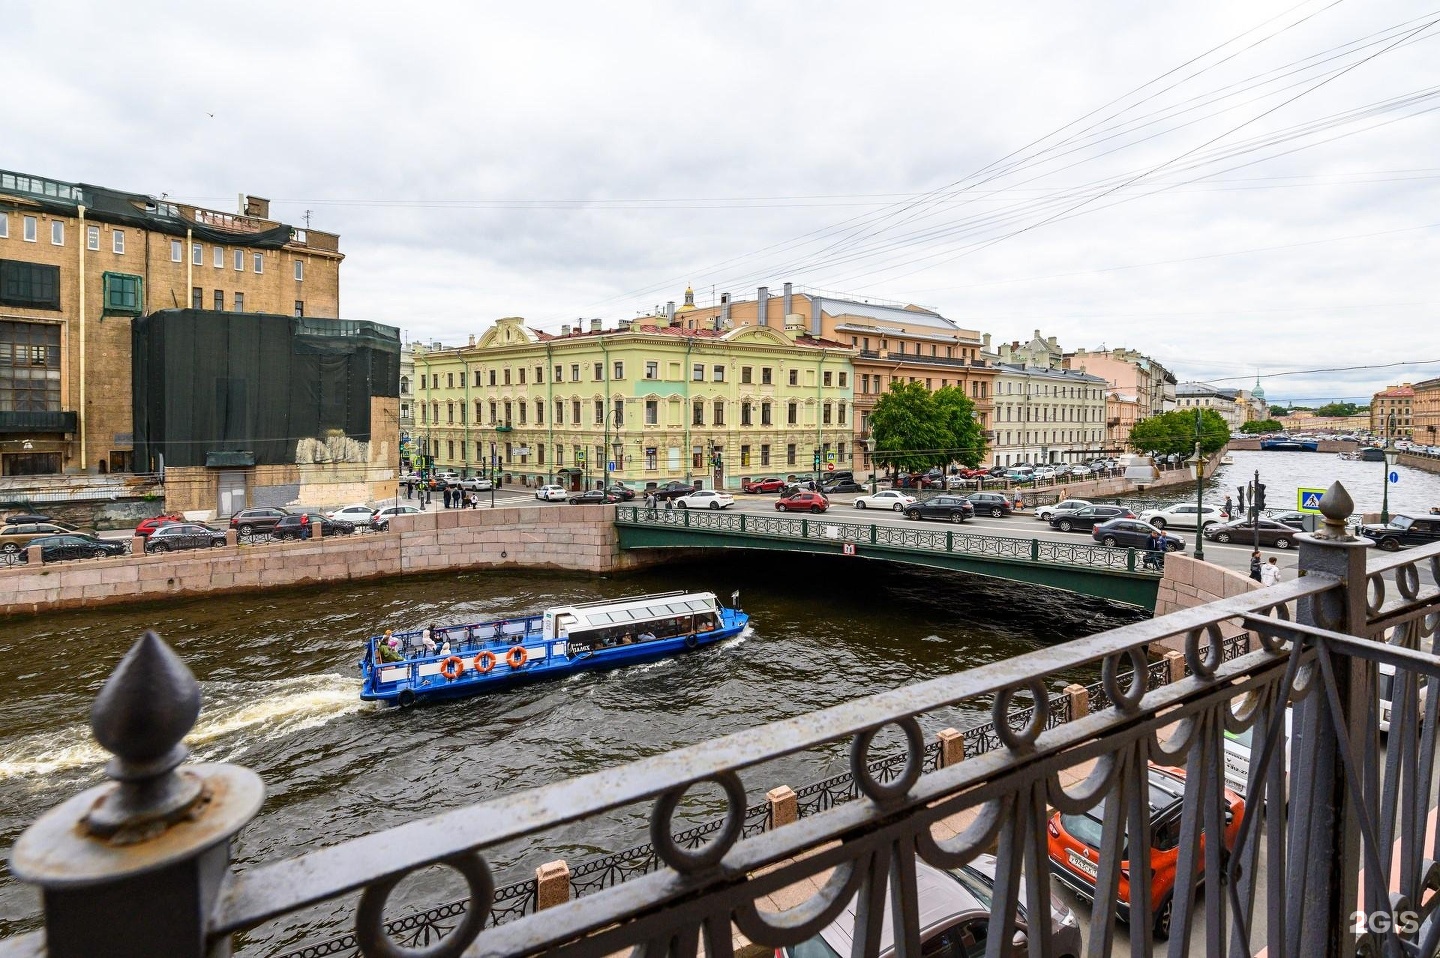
(235,716)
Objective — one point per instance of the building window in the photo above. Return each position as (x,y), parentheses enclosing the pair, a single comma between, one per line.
(825,414)
(719,418)
(652,412)
(765,454)
(651,460)
(652,370)
(299,307)
(698,373)
(239,261)
(619,370)
(177,251)
(844,379)
(767,376)
(450,449)
(618,416)
(599,412)
(32,227)
(92,238)
(718,374)
(746,374)
(575,412)
(540,414)
(219,257)
(197,255)
(450,417)
(840,409)
(539,375)
(790,454)
(697,457)
(792,414)
(479,415)
(30,367)
(299,270)
(559,374)
(492,377)
(220,300)
(493,415)
(794,377)
(239,302)
(197,298)
(122,293)
(599,371)
(764,414)
(574,372)
(521,373)
(258,262)
(697,413)
(744,457)
(4,226)
(559,412)
(828,377)
(745,414)
(57,233)
(29,285)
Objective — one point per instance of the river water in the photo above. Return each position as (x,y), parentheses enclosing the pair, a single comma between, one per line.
(281,697)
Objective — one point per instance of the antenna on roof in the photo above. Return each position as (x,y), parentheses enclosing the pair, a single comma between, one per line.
(307,218)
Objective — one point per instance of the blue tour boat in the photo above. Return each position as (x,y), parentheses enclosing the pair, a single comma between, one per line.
(593,635)
(1279,442)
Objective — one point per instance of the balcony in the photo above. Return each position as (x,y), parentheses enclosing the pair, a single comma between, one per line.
(783,863)
(38,421)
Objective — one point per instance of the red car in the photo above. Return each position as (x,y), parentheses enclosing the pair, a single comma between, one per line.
(762,485)
(148,526)
(803,502)
(1074,846)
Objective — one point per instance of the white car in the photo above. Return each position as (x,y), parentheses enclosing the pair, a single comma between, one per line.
(358,514)
(891,499)
(1044,472)
(477,484)
(706,499)
(1182,515)
(552,494)
(1068,505)
(387,511)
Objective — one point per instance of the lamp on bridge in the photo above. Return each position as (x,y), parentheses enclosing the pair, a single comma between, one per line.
(1392,456)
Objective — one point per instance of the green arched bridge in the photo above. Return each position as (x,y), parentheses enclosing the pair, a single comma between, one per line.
(1116,574)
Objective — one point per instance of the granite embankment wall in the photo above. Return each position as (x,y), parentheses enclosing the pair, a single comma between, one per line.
(1420,460)
(572,538)
(1189,582)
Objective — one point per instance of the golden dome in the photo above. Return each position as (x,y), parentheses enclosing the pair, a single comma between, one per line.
(689,301)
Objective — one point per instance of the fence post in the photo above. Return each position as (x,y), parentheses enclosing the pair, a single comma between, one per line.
(784,806)
(742,522)
(137,545)
(133,868)
(1130,559)
(1079,701)
(232,537)
(34,556)
(1034,550)
(952,747)
(1324,839)
(1176,661)
(552,885)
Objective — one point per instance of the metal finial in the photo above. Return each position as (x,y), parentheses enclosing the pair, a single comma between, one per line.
(1336,506)
(141,716)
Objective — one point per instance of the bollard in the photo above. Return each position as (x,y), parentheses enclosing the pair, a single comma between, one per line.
(1079,697)
(952,747)
(317,530)
(1177,665)
(133,868)
(33,556)
(137,545)
(784,806)
(232,537)
(552,885)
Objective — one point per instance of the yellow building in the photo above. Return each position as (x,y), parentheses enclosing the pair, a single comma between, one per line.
(1392,412)
(648,401)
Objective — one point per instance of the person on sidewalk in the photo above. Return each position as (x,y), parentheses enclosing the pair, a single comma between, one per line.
(1270,572)
(1229,508)
(1255,566)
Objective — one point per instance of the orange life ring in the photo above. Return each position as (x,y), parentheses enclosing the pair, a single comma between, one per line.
(517,656)
(453,667)
(484,662)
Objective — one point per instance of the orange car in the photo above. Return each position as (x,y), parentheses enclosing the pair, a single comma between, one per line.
(148,526)
(1075,846)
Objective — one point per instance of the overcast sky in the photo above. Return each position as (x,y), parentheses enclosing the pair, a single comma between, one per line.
(1228,186)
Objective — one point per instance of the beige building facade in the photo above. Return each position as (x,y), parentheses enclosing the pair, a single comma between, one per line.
(1129,373)
(1392,412)
(1426,412)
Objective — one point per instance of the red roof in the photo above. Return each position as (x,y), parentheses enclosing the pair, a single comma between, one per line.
(667,330)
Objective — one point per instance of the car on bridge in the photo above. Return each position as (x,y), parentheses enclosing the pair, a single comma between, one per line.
(1403,531)
(803,502)
(1067,505)
(768,484)
(705,499)
(1272,533)
(1088,517)
(950,508)
(990,504)
(892,499)
(1133,534)
(1184,515)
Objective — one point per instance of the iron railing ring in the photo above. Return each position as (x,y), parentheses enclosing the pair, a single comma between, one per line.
(686,860)
(909,774)
(370,916)
(805,920)
(1375,593)
(1270,639)
(1088,791)
(1110,678)
(979,835)
(1024,738)
(1204,666)
(1329,609)
(1407,580)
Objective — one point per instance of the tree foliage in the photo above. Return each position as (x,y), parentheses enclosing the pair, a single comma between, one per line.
(1338,409)
(1174,432)
(1261,426)
(913,429)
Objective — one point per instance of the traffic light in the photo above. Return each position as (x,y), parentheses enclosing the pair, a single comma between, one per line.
(817,460)
(1259,496)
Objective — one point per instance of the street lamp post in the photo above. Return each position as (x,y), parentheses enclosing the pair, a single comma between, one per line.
(1392,455)
(1197,464)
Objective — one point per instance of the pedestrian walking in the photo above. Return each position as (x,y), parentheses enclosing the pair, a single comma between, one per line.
(1229,507)
(1155,551)
(1255,566)
(1270,572)
(650,500)
(305,525)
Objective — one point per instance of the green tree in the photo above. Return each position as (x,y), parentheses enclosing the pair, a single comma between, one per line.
(913,429)
(1261,426)
(1338,409)
(1174,432)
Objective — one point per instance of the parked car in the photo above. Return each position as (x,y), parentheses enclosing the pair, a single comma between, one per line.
(1272,533)
(673,489)
(1292,518)
(476,484)
(23,517)
(260,519)
(891,499)
(146,526)
(1067,505)
(803,502)
(1074,847)
(951,508)
(1079,471)
(841,485)
(1088,517)
(14,538)
(705,499)
(1238,757)
(1043,472)
(184,535)
(990,504)
(385,512)
(359,515)
(955,907)
(768,484)
(1403,531)
(78,545)
(1184,515)
(1132,533)
(289,526)
(551,493)
(620,491)
(593,497)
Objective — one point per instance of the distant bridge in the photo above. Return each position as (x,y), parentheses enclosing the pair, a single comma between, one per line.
(1116,574)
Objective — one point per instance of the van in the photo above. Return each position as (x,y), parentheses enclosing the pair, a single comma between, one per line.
(1239,755)
(1385,676)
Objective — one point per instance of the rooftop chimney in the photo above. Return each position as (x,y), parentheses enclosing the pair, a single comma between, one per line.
(594,325)
(815,311)
(565,329)
(787,299)
(623,325)
(670,312)
(472,339)
(1051,341)
(258,207)
(987,342)
(725,308)
(762,306)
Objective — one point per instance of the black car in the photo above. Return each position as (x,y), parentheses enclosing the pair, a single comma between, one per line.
(263,519)
(288,526)
(175,536)
(671,490)
(990,504)
(953,508)
(1089,517)
(1272,533)
(1403,531)
(842,485)
(595,497)
(77,545)
(620,492)
(1133,533)
(1292,518)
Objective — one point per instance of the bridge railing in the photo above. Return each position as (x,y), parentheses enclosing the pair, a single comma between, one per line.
(914,538)
(140,866)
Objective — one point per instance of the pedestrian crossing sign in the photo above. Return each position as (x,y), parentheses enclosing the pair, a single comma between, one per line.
(1308,500)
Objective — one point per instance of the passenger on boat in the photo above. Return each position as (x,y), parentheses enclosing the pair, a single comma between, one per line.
(388,652)
(427,642)
(445,647)
(647,636)
(628,639)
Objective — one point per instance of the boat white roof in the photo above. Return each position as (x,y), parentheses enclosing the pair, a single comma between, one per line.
(643,608)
